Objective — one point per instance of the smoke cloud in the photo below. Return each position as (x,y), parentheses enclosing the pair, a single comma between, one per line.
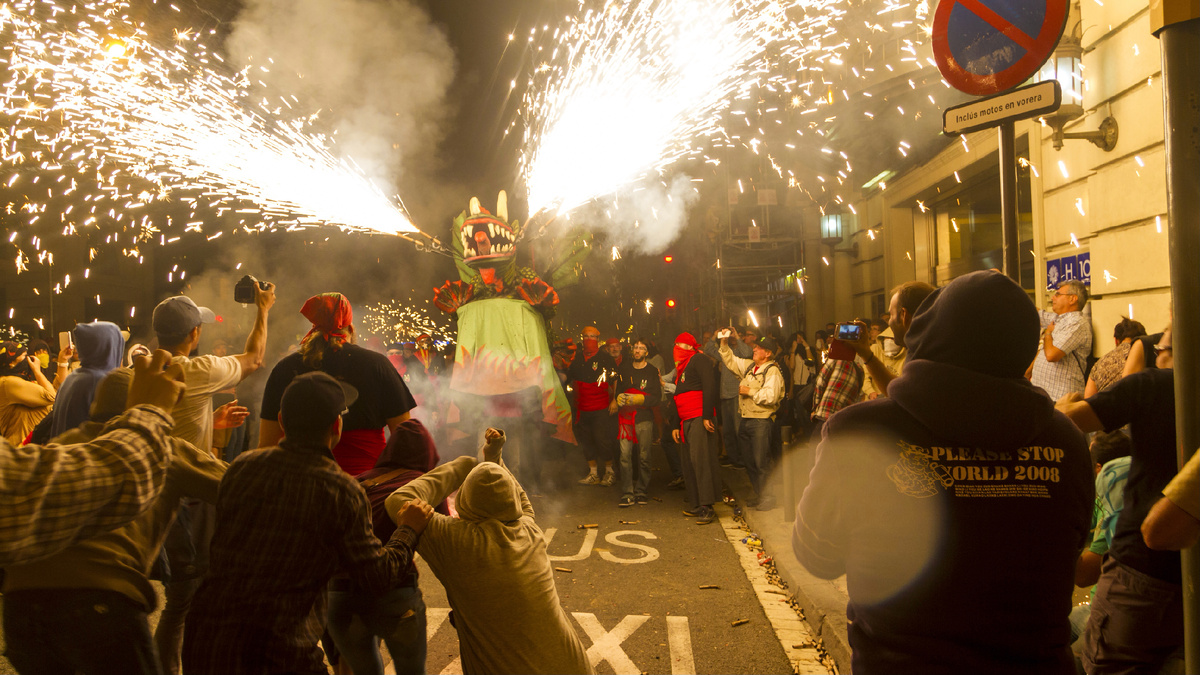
(376,73)
(644,219)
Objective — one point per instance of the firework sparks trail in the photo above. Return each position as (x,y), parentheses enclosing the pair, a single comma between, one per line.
(631,87)
(397,321)
(624,89)
(94,93)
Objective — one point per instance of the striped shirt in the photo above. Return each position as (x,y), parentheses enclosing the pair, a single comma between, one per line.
(54,495)
(1072,335)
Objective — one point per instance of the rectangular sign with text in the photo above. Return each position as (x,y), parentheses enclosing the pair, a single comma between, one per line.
(1019,104)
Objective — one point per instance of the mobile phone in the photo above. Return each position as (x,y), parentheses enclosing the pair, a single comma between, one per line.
(65,340)
(722,334)
(850,332)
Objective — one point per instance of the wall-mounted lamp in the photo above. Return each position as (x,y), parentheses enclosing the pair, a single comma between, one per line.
(1066,66)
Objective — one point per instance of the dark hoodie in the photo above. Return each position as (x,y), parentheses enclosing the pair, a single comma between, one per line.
(410,448)
(957,506)
(100,348)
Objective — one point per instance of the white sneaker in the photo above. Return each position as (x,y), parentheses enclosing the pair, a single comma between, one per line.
(591,479)
(608,479)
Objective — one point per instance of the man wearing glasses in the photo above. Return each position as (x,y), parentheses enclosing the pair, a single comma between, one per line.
(1066,343)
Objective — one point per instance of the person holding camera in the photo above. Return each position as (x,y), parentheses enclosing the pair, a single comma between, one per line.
(730,421)
(177,323)
(760,392)
(884,362)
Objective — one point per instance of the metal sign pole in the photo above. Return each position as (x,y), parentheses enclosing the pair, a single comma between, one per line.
(1008,201)
(1180,41)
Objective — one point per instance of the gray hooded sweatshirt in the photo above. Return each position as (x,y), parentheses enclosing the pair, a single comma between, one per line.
(492,561)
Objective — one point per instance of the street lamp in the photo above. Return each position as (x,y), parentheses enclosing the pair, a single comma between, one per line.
(1066,66)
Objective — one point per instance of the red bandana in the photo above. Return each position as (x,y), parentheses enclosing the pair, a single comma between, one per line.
(329,313)
(684,355)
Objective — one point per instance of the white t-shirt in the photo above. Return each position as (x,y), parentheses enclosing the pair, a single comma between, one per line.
(203,377)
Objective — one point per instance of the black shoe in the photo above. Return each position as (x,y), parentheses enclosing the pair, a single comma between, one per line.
(766,504)
(696,512)
(642,500)
(707,516)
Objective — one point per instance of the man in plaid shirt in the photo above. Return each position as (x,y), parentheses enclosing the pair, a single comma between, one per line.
(1066,343)
(53,496)
(838,385)
(288,520)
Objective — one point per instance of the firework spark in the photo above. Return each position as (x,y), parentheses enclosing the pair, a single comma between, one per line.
(397,321)
(92,95)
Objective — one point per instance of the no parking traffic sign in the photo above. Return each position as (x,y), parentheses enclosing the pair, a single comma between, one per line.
(988,46)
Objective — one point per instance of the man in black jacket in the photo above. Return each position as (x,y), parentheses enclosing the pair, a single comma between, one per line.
(956,506)
(693,424)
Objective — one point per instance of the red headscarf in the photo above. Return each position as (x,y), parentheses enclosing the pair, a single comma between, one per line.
(329,313)
(683,355)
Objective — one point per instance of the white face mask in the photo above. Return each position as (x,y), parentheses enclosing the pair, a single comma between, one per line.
(890,347)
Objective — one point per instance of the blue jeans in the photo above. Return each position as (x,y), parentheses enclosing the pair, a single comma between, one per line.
(644,430)
(754,440)
(730,424)
(358,620)
(52,631)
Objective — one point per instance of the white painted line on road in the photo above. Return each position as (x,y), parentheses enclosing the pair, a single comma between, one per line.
(614,539)
(789,628)
(679,635)
(606,645)
(434,618)
(589,540)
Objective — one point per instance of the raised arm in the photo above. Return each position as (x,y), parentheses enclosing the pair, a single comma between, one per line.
(493,451)
(255,351)
(432,487)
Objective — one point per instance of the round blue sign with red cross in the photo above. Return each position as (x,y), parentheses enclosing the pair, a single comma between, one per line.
(984,47)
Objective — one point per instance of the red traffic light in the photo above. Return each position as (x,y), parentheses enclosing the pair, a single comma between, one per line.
(668,258)
(670,302)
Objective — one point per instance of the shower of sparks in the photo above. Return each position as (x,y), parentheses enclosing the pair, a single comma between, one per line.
(628,88)
(399,321)
(621,92)
(103,116)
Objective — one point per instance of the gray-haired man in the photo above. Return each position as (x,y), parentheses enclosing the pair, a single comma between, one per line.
(1066,343)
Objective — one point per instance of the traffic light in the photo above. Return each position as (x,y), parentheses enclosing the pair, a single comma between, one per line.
(671,302)
(668,258)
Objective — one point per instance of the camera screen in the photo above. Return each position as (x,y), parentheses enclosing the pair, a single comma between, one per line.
(849,331)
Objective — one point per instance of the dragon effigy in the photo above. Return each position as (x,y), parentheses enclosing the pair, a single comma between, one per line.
(502,310)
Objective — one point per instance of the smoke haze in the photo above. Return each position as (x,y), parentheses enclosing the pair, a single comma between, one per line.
(376,71)
(641,220)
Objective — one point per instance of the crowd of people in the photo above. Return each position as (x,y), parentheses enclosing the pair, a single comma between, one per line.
(949,479)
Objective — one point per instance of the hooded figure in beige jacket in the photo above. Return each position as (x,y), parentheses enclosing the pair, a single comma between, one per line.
(492,561)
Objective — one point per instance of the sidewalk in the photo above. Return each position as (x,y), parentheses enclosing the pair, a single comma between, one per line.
(823,602)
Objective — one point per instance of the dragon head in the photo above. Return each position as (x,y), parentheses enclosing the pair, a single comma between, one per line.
(486,240)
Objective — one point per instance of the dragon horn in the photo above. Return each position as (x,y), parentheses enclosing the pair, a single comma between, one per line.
(502,206)
(475,208)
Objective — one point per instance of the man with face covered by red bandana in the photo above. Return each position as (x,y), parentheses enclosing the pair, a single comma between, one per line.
(692,420)
(593,375)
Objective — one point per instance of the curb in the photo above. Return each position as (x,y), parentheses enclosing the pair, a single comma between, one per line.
(824,604)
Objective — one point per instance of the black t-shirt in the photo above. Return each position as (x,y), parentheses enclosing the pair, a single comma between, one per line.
(645,379)
(1145,401)
(381,393)
(600,368)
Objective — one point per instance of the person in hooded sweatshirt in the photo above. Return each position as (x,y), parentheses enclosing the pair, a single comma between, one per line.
(957,506)
(100,347)
(358,619)
(493,563)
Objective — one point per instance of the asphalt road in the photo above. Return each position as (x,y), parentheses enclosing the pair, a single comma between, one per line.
(633,587)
